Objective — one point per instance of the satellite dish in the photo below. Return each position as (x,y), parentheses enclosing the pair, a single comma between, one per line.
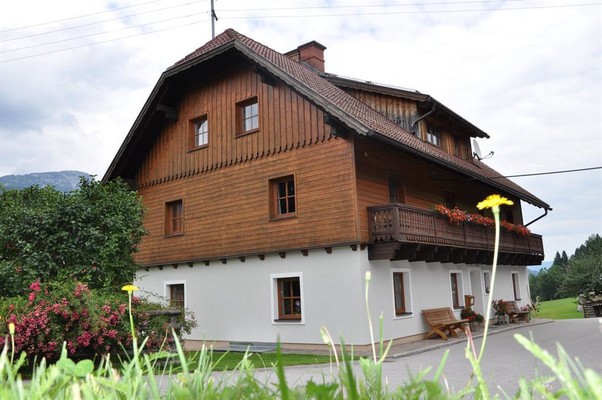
(477,151)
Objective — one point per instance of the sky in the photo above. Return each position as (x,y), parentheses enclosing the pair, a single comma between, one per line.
(75,74)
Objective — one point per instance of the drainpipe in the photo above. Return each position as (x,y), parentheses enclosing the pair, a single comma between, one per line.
(538,218)
(424,116)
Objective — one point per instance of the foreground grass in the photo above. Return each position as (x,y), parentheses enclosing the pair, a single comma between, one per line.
(230,360)
(559,309)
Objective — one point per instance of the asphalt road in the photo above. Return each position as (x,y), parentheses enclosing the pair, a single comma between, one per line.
(504,361)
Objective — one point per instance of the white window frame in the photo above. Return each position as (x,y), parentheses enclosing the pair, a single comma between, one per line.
(274,298)
(407,291)
(166,290)
(461,291)
(516,285)
(486,289)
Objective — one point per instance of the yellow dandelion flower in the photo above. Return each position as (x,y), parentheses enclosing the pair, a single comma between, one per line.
(130,288)
(495,200)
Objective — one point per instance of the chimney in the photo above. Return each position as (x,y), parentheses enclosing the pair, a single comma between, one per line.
(311,53)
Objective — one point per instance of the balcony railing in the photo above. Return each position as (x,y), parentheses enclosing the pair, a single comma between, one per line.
(400,223)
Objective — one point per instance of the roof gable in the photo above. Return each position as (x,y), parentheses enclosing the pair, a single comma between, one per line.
(344,108)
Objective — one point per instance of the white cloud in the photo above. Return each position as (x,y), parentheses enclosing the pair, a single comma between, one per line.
(531,78)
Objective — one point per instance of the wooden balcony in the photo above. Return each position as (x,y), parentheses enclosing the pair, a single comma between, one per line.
(402,232)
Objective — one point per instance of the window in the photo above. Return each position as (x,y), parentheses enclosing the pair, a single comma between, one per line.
(401,292)
(248,116)
(176,295)
(456,288)
(396,189)
(516,286)
(201,132)
(174,218)
(289,298)
(432,135)
(487,281)
(449,198)
(283,197)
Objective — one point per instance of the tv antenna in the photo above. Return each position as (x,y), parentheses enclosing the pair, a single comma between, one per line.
(477,151)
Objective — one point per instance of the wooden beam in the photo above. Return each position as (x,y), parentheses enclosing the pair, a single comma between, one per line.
(170,113)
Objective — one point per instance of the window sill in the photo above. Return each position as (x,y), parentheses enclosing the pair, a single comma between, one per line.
(283,217)
(287,320)
(245,133)
(404,315)
(198,148)
(173,234)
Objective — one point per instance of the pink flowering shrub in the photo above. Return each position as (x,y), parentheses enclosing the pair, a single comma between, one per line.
(90,322)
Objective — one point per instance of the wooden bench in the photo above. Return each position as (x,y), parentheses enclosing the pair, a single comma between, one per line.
(515,313)
(442,322)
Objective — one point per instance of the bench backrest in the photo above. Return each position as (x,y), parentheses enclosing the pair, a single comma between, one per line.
(436,316)
(511,306)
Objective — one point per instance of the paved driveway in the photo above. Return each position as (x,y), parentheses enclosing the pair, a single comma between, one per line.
(504,362)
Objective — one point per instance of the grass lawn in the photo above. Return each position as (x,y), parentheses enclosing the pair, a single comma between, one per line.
(559,309)
(229,360)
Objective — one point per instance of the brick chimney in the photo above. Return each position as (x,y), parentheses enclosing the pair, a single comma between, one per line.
(311,53)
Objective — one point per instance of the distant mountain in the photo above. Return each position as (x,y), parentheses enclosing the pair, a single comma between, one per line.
(534,270)
(64,181)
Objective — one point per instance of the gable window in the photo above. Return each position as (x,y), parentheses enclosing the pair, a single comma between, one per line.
(395,188)
(201,132)
(283,197)
(248,116)
(487,281)
(174,217)
(516,286)
(432,135)
(456,288)
(176,293)
(289,298)
(401,292)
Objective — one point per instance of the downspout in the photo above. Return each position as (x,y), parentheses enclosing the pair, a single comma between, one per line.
(538,218)
(432,110)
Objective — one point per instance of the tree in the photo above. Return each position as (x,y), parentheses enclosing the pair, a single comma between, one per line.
(90,235)
(584,272)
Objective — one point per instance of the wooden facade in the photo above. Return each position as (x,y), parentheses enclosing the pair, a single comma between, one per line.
(224,184)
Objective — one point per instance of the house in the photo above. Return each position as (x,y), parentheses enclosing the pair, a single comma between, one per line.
(272,186)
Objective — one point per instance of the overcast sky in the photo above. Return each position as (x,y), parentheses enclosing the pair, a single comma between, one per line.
(75,74)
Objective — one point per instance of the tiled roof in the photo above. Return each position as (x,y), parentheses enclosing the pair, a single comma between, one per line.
(356,114)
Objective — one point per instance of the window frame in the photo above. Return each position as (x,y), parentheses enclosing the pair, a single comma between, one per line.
(171,217)
(487,282)
(278,317)
(433,135)
(516,285)
(167,291)
(406,292)
(196,124)
(455,277)
(395,188)
(275,199)
(242,118)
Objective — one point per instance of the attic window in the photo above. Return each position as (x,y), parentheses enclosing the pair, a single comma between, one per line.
(247,116)
(433,136)
(201,131)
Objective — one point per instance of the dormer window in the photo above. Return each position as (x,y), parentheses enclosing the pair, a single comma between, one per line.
(433,136)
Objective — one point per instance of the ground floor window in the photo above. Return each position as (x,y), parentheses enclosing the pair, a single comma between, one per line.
(456,288)
(516,285)
(401,292)
(487,281)
(177,295)
(288,298)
